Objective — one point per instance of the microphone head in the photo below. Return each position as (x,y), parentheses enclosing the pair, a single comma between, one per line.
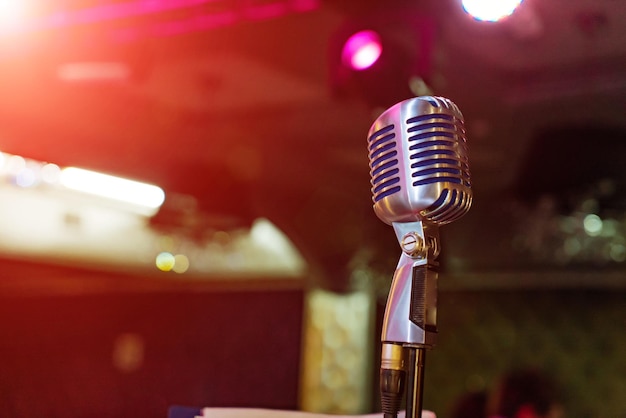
(418,162)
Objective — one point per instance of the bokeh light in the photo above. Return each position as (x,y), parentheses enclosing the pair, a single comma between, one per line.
(490,10)
(165,261)
(362,50)
(26,177)
(50,173)
(181,263)
(15,164)
(593,225)
(618,252)
(128,352)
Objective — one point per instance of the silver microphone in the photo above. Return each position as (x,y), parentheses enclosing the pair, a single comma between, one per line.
(418,162)
(420,180)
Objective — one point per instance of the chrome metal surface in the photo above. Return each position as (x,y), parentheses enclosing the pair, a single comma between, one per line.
(418,162)
(397,324)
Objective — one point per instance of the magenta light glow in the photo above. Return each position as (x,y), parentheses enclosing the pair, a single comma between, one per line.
(362,50)
(123,10)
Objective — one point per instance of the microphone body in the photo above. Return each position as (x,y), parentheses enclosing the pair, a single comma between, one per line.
(420,180)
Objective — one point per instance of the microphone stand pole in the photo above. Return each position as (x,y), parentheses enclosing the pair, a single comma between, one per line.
(410,323)
(415,382)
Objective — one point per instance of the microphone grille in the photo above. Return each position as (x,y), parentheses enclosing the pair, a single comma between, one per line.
(418,162)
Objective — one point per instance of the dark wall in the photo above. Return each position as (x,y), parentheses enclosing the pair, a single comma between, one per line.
(575,336)
(222,348)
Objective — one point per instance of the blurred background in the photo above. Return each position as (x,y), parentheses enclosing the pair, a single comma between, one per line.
(243,265)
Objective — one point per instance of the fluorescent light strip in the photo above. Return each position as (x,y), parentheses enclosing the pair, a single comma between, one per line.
(133,192)
(94,71)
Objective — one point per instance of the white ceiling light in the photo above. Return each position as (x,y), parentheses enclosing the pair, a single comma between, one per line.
(143,195)
(490,10)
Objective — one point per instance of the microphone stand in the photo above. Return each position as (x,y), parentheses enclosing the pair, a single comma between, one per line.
(410,321)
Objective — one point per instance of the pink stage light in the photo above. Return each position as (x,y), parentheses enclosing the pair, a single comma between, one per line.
(362,50)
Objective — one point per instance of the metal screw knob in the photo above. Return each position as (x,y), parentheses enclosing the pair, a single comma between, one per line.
(413,245)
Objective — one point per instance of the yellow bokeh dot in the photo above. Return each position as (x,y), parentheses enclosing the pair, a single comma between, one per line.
(165,261)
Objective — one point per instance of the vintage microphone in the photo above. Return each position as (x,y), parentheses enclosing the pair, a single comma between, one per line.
(420,179)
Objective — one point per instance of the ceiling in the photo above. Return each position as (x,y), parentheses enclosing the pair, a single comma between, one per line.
(236,102)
